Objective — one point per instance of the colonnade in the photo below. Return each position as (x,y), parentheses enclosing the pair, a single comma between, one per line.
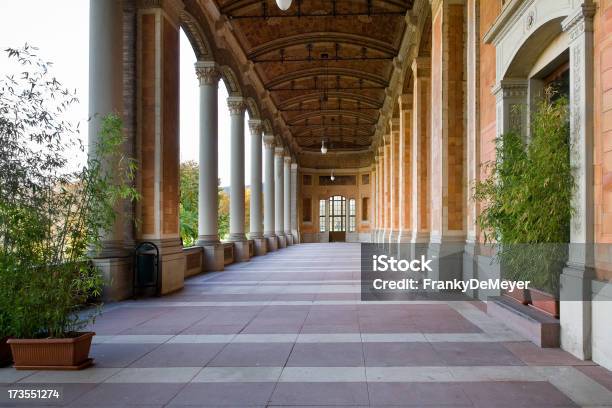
(420,191)
(274,207)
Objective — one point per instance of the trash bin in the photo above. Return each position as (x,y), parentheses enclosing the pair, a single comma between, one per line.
(146,269)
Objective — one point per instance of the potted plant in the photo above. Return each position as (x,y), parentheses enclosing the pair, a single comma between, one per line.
(53,216)
(527,203)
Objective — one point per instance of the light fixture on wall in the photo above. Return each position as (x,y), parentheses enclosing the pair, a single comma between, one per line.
(332,177)
(323,147)
(283,4)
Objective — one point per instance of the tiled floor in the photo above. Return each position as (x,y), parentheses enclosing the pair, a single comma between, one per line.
(289,329)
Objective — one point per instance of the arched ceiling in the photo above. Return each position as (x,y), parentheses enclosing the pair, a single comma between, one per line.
(325,64)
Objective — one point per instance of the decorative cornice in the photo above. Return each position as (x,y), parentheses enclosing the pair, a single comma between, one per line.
(579,22)
(236,105)
(207,72)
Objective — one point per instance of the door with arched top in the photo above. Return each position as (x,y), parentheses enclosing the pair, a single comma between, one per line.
(337,218)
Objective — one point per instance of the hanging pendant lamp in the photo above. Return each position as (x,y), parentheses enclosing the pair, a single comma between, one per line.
(283,4)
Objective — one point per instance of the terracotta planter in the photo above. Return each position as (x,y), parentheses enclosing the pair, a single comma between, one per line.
(519,295)
(52,354)
(544,302)
(6,357)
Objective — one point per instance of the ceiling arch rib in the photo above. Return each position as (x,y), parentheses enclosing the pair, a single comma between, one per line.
(316,96)
(348,130)
(366,7)
(326,72)
(322,37)
(369,119)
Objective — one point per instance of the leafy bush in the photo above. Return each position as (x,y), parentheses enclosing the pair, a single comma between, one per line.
(52,218)
(527,198)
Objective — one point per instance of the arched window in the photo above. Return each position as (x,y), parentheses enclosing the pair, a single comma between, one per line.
(337,213)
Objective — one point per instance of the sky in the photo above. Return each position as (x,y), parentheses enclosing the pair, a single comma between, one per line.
(60,29)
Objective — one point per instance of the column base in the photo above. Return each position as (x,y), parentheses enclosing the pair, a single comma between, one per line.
(241,251)
(260,246)
(272,243)
(289,238)
(118,276)
(296,237)
(213,257)
(576,310)
(403,244)
(282,240)
(172,265)
(447,259)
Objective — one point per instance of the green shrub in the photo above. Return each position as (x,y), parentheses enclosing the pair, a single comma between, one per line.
(527,198)
(52,218)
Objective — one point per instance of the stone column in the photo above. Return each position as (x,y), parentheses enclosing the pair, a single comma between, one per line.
(294,206)
(394,187)
(269,195)
(208,196)
(448,192)
(472,247)
(158,136)
(405,172)
(237,107)
(279,195)
(374,200)
(387,191)
(576,280)
(105,97)
(380,188)
(256,224)
(287,199)
(421,136)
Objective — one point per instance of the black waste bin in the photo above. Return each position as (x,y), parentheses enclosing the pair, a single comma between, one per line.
(146,269)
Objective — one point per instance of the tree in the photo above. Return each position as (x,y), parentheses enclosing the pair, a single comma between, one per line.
(188,208)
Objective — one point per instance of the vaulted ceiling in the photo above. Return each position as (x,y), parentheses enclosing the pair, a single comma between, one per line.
(325,64)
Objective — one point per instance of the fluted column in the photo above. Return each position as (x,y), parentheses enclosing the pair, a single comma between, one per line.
(237,107)
(269,195)
(294,214)
(279,195)
(208,180)
(287,199)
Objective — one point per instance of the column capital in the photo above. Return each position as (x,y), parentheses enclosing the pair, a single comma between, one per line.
(394,125)
(236,105)
(294,166)
(287,159)
(421,67)
(255,126)
(405,101)
(511,88)
(269,141)
(208,72)
(172,8)
(279,151)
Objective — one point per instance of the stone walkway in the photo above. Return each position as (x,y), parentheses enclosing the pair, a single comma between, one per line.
(289,329)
